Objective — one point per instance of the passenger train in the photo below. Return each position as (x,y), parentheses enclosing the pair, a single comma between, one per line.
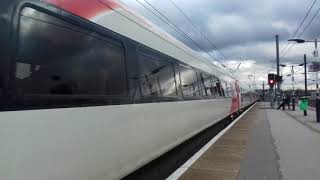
(91,90)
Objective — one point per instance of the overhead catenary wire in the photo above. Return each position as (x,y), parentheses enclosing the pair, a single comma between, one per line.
(310,21)
(305,28)
(236,68)
(198,29)
(204,60)
(172,25)
(286,76)
(299,70)
(301,23)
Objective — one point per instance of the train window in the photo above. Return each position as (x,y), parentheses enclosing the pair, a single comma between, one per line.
(228,90)
(55,57)
(189,83)
(224,89)
(218,89)
(215,86)
(209,84)
(232,89)
(156,75)
(221,88)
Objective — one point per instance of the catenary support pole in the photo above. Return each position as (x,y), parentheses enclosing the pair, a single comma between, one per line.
(305,80)
(277,91)
(317,81)
(263,96)
(293,93)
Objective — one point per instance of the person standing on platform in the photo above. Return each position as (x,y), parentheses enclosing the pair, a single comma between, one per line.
(284,102)
(288,100)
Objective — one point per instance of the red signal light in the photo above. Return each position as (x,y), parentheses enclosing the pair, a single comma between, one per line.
(271,80)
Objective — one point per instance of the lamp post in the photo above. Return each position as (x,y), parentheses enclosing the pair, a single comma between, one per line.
(305,80)
(315,53)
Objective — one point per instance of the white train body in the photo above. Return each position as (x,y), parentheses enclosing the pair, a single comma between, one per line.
(42,137)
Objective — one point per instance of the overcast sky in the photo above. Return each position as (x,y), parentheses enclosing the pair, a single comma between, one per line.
(243,30)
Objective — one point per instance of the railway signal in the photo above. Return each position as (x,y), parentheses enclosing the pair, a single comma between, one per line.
(274,79)
(271,80)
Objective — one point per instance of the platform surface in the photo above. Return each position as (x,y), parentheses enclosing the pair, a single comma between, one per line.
(297,144)
(266,144)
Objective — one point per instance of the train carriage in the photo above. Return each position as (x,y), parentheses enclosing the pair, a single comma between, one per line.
(91,90)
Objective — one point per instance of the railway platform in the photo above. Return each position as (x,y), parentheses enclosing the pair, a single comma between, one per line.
(263,143)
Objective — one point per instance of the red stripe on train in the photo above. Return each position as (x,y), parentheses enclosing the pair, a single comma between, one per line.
(85,8)
(235,103)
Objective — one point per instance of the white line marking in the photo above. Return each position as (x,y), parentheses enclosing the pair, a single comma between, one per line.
(182,169)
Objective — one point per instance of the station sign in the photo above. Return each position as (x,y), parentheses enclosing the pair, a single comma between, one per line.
(314,66)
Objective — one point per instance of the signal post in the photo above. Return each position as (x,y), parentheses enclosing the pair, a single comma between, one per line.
(272,80)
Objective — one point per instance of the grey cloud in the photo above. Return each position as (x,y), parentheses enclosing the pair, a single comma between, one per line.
(233,24)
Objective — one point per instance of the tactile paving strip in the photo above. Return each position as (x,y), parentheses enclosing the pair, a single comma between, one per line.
(222,160)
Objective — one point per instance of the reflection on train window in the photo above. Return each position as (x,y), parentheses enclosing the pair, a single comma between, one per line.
(189,83)
(216,86)
(209,83)
(156,76)
(56,57)
(224,89)
(231,89)
(220,88)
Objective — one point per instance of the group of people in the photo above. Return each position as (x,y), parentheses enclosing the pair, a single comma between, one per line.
(285,101)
